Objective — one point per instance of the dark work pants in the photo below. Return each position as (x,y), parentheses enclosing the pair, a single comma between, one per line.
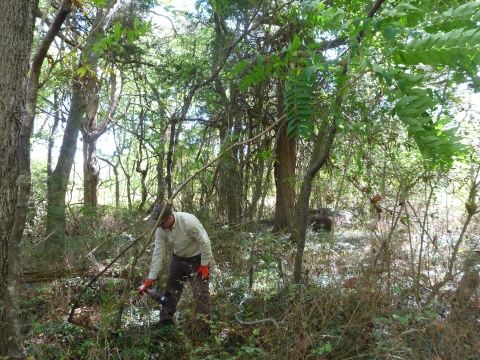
(180,271)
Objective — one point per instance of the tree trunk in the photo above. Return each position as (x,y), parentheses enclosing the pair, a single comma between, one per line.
(233,174)
(259,171)
(12,305)
(51,139)
(160,196)
(91,170)
(229,176)
(259,164)
(58,181)
(16,35)
(323,145)
(92,130)
(120,146)
(143,176)
(284,173)
(171,145)
(143,172)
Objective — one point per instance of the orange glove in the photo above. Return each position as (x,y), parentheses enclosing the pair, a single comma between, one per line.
(145,286)
(204,271)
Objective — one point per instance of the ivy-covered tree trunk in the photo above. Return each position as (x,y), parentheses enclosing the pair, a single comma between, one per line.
(16,34)
(139,162)
(58,181)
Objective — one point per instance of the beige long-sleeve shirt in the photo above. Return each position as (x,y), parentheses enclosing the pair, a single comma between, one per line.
(187,237)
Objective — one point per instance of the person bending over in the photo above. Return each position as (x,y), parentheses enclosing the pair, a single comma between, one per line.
(191,254)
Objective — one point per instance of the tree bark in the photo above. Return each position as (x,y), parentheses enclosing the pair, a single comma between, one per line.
(284,173)
(91,129)
(229,177)
(15,341)
(232,177)
(171,146)
(51,140)
(160,196)
(16,35)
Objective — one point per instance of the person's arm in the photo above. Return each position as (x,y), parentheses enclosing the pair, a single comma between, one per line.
(200,235)
(158,254)
(197,233)
(205,248)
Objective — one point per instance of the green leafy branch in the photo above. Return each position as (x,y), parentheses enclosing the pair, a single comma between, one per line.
(299,101)
(436,141)
(119,32)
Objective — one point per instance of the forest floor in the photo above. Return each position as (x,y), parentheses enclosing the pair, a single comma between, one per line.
(358,299)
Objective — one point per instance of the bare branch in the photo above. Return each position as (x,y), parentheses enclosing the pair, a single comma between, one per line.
(166,17)
(251,323)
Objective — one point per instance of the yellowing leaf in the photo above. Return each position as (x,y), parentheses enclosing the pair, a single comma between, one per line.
(81,72)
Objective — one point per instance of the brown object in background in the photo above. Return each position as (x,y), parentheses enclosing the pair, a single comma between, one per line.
(321,222)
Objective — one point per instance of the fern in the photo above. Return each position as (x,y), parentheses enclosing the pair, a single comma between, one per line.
(298,99)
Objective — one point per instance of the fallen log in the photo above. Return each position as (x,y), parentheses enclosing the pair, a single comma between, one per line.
(34,276)
(50,275)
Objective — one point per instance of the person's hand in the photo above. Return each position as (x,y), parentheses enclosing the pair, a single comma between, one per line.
(145,286)
(203,270)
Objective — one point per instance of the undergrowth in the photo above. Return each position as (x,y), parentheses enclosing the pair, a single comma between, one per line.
(346,307)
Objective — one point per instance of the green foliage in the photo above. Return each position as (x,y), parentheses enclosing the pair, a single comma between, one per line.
(100,3)
(115,38)
(437,142)
(456,48)
(321,350)
(299,107)
(415,106)
(464,16)
(450,41)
